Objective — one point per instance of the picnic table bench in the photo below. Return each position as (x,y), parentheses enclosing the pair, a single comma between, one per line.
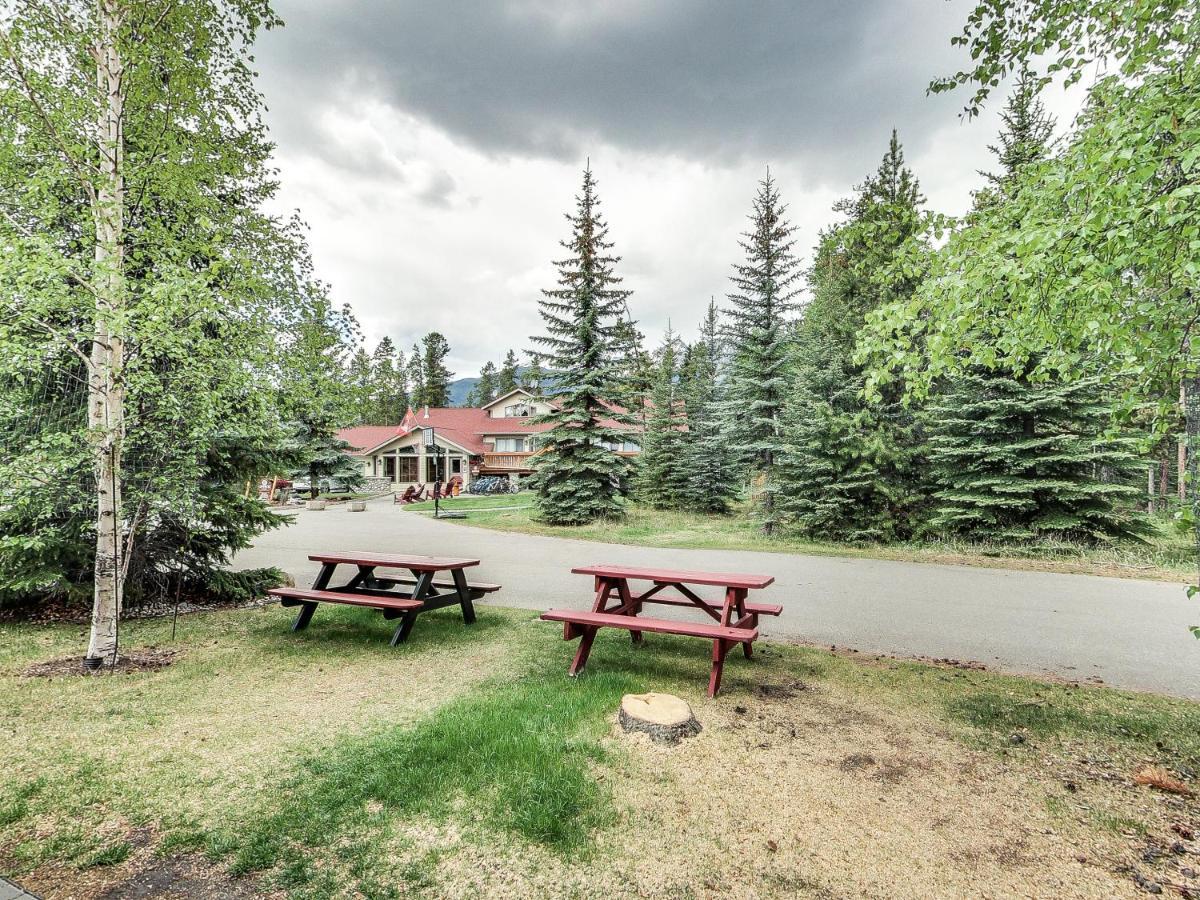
(397,596)
(736,618)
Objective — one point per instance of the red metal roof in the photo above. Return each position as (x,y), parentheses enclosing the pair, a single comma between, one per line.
(464,425)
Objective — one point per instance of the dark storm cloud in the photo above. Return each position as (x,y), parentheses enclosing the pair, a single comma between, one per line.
(820,83)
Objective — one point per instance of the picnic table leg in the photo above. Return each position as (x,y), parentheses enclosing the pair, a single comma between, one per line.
(720,648)
(585,648)
(306,613)
(409,619)
(739,604)
(587,633)
(627,602)
(464,596)
(307,609)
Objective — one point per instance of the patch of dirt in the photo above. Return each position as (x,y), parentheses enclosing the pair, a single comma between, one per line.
(144,876)
(144,659)
(780,691)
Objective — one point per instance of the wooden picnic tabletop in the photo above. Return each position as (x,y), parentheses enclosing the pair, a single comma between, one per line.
(396,560)
(679,576)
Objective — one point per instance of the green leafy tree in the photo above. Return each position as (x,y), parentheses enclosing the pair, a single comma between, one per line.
(578,479)
(1101,267)
(758,330)
(852,469)
(137,264)
(1011,461)
(509,377)
(661,474)
(709,482)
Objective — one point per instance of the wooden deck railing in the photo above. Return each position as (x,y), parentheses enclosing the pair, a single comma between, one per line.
(506,460)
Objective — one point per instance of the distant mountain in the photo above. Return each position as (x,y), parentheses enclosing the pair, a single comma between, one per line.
(461,387)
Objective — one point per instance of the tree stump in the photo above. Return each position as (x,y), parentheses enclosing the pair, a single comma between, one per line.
(667,719)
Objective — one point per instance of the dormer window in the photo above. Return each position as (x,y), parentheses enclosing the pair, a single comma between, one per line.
(518,411)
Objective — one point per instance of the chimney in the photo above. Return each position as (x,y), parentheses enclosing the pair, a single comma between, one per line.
(427,410)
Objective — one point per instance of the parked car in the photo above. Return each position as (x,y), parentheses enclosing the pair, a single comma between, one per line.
(303,485)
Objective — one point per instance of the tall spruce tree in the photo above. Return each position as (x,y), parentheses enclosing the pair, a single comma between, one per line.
(661,474)
(852,469)
(578,479)
(758,329)
(1025,137)
(435,389)
(388,394)
(416,378)
(1018,460)
(706,462)
(484,391)
(508,378)
(359,379)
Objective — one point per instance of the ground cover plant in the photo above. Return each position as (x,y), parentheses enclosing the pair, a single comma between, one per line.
(326,764)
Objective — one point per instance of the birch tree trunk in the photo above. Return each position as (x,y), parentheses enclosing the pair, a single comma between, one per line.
(106,394)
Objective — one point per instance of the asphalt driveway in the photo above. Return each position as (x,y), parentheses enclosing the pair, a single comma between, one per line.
(1129,633)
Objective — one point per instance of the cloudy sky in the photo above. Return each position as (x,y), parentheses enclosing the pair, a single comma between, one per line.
(433,147)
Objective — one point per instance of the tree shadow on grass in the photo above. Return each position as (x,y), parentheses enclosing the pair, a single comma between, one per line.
(353,629)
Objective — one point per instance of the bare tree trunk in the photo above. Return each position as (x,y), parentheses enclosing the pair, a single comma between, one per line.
(1181,450)
(106,392)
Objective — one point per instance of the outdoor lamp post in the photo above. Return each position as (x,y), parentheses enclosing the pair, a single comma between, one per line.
(429,437)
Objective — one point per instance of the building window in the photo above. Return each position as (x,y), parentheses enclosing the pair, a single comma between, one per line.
(408,468)
(389,467)
(510,445)
(517,411)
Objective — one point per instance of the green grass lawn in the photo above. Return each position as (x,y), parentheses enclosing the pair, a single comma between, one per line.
(1167,555)
(327,764)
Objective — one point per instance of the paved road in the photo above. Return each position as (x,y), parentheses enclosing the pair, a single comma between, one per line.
(1132,634)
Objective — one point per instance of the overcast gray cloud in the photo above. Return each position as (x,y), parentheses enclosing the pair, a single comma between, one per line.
(433,146)
(715,81)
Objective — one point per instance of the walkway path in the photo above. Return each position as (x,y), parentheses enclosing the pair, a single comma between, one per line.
(1131,634)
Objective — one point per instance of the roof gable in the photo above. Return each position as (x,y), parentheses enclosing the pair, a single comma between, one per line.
(504,397)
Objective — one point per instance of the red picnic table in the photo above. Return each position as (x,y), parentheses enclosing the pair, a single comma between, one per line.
(736,617)
(401,597)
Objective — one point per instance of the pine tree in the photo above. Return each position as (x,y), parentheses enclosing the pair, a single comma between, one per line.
(435,389)
(578,479)
(416,378)
(635,369)
(508,378)
(709,481)
(360,380)
(484,391)
(388,395)
(853,470)
(1017,460)
(533,379)
(660,474)
(1025,138)
(758,330)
